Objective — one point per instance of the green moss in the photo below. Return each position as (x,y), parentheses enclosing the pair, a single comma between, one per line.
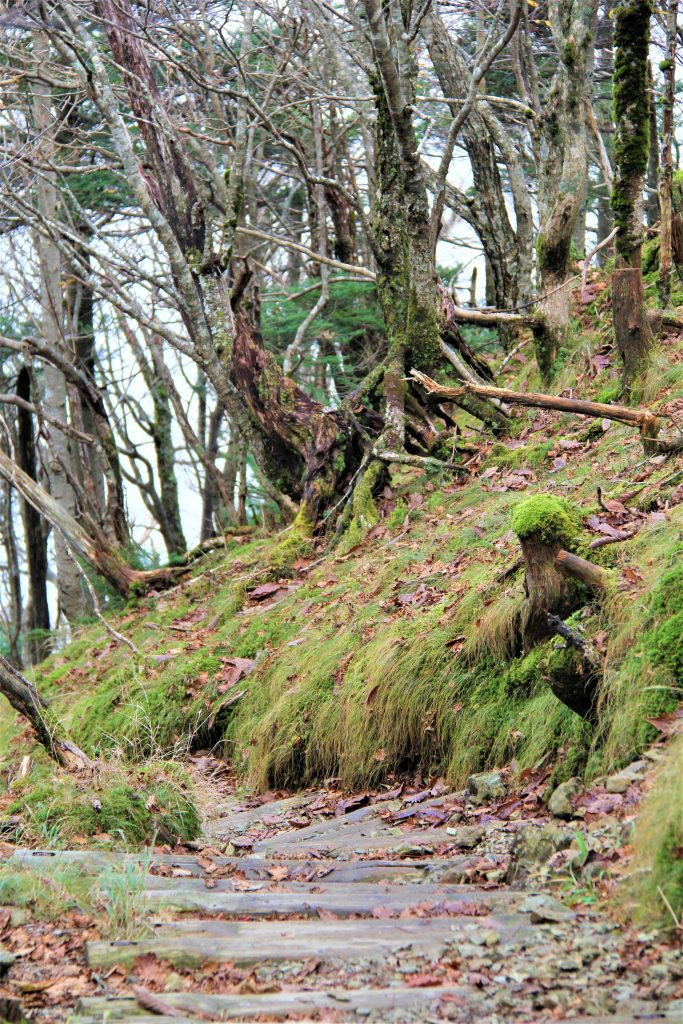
(525,675)
(365,514)
(294,545)
(609,393)
(665,645)
(507,457)
(667,598)
(548,517)
(397,515)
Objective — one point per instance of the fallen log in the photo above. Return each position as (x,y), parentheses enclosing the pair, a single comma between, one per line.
(25,698)
(645,420)
(94,548)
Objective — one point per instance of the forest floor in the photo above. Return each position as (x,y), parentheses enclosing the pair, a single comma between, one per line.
(407,904)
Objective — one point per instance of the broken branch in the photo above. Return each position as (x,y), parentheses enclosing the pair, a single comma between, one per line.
(644,419)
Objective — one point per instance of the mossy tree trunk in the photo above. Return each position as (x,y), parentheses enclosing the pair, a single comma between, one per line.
(667,163)
(563,170)
(631,148)
(416,308)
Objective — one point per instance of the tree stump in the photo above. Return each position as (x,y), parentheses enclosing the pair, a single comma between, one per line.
(544,524)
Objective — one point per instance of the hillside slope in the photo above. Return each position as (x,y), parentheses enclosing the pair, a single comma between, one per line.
(401,648)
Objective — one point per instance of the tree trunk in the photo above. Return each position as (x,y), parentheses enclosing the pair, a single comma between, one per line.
(37,644)
(666,189)
(170,521)
(652,214)
(631,147)
(209,489)
(12,615)
(631,328)
(562,174)
(72,597)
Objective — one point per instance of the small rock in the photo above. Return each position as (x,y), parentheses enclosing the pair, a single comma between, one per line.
(545,909)
(560,803)
(617,784)
(485,786)
(533,846)
(6,959)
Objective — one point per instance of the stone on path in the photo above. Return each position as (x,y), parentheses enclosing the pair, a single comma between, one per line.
(560,803)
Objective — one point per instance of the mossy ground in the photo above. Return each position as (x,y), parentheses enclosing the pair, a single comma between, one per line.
(655,885)
(402,648)
(113,805)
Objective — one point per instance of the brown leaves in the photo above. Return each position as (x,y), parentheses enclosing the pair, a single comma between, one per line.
(669,725)
(232,670)
(264,591)
(351,803)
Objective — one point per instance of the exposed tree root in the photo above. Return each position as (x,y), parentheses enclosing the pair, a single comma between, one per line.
(25,698)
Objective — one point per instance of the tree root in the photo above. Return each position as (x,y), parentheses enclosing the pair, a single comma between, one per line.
(25,698)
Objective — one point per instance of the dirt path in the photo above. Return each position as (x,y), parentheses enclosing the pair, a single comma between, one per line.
(400,907)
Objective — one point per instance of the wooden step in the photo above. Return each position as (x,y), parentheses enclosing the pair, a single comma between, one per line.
(452,869)
(366,838)
(286,810)
(191,943)
(299,900)
(282,1004)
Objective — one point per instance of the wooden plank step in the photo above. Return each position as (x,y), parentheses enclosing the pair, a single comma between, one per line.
(280,1004)
(364,900)
(196,942)
(239,822)
(374,836)
(449,870)
(247,817)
